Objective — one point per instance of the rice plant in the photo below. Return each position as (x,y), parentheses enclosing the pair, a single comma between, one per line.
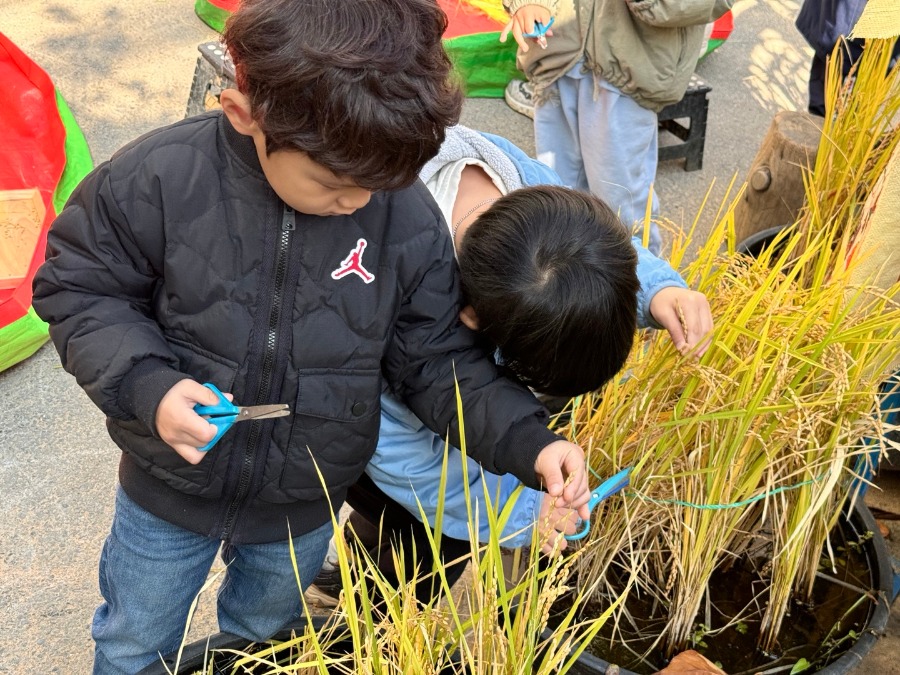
(493,625)
(755,449)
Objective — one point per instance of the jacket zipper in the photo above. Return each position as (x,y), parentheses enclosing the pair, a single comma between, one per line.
(288,223)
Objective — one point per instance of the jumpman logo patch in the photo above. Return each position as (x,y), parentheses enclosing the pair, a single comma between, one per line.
(352,264)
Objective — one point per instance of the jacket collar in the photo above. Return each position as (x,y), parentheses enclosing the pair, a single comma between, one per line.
(242,146)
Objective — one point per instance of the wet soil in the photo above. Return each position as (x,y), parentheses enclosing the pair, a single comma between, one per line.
(819,631)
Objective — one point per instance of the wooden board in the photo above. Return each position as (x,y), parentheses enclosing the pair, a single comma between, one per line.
(21,216)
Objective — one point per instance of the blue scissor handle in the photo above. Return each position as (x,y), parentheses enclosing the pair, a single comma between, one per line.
(539,29)
(607,488)
(223,414)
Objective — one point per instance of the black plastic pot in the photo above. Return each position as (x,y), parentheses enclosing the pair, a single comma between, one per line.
(759,242)
(878,558)
(202,653)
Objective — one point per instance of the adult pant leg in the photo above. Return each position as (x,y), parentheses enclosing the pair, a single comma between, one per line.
(817,86)
(259,594)
(150,573)
(556,132)
(620,148)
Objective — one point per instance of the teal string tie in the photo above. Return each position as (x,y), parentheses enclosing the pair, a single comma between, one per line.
(718,507)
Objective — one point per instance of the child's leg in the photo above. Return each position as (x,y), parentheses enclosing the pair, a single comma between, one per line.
(150,572)
(556,132)
(620,147)
(400,529)
(260,595)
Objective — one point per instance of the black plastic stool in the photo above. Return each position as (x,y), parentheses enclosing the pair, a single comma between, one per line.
(693,107)
(214,72)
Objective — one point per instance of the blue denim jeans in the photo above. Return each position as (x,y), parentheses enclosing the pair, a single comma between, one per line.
(151,571)
(600,140)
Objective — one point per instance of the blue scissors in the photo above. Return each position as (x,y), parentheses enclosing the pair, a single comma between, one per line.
(225,413)
(540,33)
(607,488)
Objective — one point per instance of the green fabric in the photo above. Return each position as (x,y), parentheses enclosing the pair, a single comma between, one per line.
(78,156)
(711,46)
(483,63)
(212,16)
(21,339)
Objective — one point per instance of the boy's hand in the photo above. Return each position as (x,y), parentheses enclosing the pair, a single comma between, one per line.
(686,315)
(178,424)
(523,22)
(561,466)
(554,522)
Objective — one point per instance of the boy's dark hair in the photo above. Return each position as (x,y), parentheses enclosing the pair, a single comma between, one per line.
(551,275)
(363,87)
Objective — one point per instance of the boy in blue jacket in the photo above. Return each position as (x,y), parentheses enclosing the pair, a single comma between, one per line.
(565,336)
(281,250)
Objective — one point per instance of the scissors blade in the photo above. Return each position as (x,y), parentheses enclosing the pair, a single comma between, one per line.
(262,412)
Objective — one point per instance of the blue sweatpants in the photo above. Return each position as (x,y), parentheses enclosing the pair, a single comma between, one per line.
(599,140)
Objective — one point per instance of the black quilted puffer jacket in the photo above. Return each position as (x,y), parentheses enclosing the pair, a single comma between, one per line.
(176,259)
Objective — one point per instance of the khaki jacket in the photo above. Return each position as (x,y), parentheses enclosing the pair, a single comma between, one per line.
(646,48)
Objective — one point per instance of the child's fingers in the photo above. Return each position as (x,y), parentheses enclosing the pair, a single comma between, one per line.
(553,479)
(192,431)
(554,544)
(521,40)
(189,453)
(514,25)
(584,512)
(702,326)
(576,492)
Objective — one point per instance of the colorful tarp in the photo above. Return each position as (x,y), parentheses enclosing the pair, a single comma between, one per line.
(472,39)
(42,147)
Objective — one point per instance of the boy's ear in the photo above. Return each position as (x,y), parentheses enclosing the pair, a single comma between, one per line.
(236,107)
(468,317)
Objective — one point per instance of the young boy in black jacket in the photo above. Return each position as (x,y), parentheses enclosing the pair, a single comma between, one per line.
(281,250)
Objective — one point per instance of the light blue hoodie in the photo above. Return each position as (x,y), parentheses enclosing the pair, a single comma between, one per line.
(408,461)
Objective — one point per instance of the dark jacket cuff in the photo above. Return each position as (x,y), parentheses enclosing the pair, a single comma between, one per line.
(520,447)
(144,386)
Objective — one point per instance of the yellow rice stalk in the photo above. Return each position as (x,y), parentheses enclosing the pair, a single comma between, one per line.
(767,430)
(767,426)
(858,138)
(495,626)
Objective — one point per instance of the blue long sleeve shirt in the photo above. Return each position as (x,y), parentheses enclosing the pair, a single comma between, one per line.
(408,461)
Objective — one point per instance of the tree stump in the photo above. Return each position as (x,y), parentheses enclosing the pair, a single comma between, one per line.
(775,193)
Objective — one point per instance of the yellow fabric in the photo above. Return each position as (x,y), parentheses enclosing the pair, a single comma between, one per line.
(880,19)
(493,8)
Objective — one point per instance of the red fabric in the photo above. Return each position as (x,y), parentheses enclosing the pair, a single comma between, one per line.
(227,5)
(722,27)
(465,20)
(32,151)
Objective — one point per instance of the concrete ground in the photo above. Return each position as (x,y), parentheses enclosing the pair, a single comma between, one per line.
(125,68)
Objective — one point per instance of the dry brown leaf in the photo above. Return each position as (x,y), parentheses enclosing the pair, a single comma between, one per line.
(691,663)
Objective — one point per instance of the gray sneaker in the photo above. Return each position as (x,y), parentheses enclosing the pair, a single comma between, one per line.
(519,96)
(327,587)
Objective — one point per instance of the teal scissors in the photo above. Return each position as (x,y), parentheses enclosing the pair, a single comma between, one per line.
(540,33)
(607,488)
(225,413)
